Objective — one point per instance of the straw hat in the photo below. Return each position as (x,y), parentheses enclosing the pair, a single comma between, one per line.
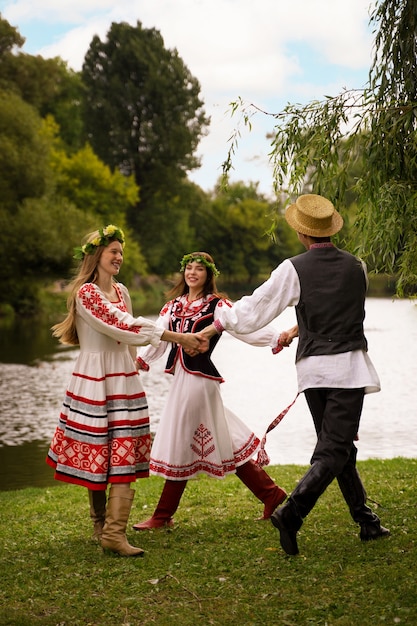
(314,215)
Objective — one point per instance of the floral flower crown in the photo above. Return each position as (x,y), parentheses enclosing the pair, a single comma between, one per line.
(105,236)
(197,258)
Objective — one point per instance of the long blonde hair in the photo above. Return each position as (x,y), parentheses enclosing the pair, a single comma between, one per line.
(66,330)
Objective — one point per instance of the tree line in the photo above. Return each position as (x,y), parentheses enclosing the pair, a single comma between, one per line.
(114,143)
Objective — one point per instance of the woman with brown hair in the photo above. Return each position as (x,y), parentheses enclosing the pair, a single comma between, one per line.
(196,433)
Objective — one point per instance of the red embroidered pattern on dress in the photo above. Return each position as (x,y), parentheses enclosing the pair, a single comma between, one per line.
(166,307)
(206,466)
(203,438)
(182,308)
(92,301)
(223,302)
(125,453)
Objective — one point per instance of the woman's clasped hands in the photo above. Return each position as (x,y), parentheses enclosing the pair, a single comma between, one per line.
(195,343)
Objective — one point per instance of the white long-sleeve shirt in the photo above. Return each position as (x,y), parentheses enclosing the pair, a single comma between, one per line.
(347,370)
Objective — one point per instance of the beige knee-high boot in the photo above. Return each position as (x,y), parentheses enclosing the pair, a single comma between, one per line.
(97,501)
(113,537)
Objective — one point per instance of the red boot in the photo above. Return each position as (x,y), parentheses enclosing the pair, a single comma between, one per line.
(166,507)
(262,486)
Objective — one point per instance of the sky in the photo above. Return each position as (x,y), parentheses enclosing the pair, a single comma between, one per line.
(266,52)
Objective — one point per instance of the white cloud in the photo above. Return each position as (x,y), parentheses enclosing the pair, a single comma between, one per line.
(51,11)
(73,45)
(214,31)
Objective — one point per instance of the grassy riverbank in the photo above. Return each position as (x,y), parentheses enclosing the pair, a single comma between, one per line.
(218,566)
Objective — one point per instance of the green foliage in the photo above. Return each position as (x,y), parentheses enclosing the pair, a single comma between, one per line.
(170,229)
(143,110)
(148,295)
(40,247)
(46,84)
(44,205)
(285,241)
(165,234)
(134,262)
(372,132)
(144,116)
(389,190)
(10,38)
(101,196)
(234,230)
(89,184)
(218,565)
(24,152)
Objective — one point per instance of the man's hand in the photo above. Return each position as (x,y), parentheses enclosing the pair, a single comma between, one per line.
(287,336)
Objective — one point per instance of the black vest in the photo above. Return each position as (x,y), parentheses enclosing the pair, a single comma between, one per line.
(183,321)
(331,309)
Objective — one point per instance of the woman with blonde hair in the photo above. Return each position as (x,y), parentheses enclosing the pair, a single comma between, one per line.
(103,435)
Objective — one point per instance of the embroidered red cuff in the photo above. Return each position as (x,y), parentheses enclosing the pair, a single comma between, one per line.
(218,326)
(142,364)
(278,347)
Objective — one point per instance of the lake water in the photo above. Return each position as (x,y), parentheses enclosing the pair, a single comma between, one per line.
(34,372)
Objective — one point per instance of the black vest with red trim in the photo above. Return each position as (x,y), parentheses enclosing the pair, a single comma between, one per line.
(184,320)
(331,309)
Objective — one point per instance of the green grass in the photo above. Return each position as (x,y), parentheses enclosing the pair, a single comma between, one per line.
(217,566)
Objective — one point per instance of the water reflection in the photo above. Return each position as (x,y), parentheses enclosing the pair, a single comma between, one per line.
(28,341)
(34,372)
(24,466)
(31,398)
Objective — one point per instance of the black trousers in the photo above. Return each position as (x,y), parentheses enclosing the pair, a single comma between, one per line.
(336,415)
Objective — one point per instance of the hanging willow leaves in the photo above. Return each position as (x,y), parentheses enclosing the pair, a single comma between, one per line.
(361,145)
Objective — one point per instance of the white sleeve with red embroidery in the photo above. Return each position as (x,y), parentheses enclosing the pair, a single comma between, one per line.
(108,319)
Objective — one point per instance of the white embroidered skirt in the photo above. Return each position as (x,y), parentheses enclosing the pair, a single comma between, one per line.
(197,434)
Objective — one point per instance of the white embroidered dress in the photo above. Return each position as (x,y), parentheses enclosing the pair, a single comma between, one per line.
(103,434)
(196,433)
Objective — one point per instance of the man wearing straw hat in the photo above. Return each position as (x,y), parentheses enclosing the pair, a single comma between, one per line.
(327,286)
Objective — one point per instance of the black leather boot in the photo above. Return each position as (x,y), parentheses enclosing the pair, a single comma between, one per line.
(369,532)
(354,493)
(288,523)
(289,518)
